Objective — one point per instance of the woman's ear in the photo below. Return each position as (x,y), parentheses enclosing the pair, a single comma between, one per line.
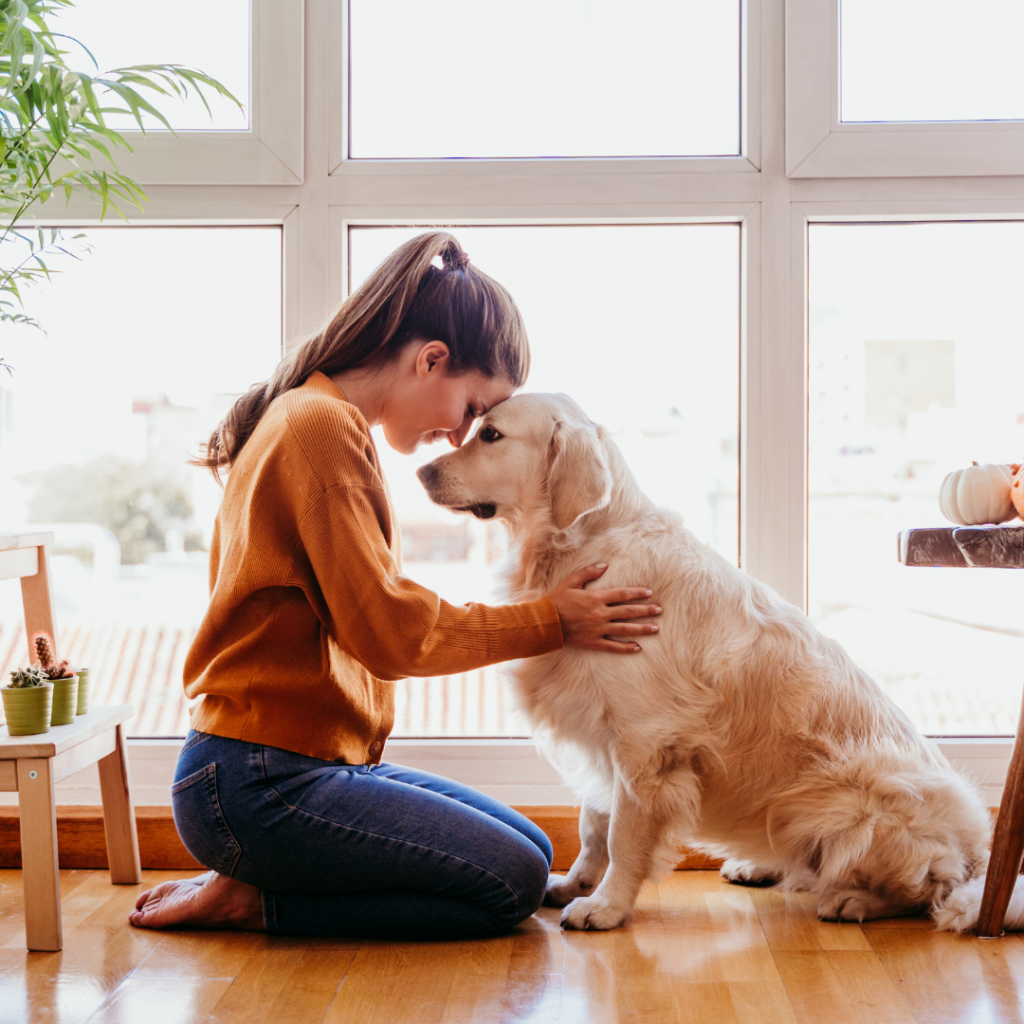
(431,358)
(579,480)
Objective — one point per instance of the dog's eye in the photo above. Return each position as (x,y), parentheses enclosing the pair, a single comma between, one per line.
(489,435)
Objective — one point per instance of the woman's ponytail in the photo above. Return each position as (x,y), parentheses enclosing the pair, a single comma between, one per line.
(405,298)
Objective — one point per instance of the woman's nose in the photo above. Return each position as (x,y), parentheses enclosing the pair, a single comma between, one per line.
(456,437)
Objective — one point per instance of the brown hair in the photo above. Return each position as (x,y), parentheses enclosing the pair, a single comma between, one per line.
(404,299)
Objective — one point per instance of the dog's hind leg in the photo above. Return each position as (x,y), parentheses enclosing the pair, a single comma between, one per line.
(589,867)
(746,872)
(863,905)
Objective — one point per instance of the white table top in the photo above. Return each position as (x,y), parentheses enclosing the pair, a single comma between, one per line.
(63,737)
(14,541)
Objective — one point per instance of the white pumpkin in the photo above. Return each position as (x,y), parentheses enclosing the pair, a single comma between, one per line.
(978,494)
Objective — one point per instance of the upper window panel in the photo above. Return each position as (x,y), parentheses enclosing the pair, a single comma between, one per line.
(580,78)
(214,37)
(931,60)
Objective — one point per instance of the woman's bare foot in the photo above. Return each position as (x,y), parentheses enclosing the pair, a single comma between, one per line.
(207,901)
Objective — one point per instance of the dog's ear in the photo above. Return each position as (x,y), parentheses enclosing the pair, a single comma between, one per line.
(579,480)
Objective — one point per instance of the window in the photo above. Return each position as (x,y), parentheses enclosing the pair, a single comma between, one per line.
(582,168)
(104,412)
(536,79)
(902,89)
(254,47)
(930,60)
(662,376)
(907,322)
(211,36)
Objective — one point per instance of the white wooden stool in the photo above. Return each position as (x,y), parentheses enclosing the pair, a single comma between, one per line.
(33,765)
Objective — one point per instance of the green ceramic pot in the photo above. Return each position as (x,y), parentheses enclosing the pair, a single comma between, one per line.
(27,709)
(83,691)
(65,701)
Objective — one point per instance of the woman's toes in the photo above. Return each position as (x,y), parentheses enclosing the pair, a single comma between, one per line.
(209,901)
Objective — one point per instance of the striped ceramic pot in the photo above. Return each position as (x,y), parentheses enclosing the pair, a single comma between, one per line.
(83,691)
(27,708)
(65,701)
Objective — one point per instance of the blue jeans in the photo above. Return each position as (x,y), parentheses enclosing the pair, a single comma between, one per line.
(374,851)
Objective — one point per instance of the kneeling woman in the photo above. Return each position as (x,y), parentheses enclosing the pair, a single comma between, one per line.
(279,788)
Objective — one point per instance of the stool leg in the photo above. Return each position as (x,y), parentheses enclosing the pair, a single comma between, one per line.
(1007,845)
(119,816)
(39,875)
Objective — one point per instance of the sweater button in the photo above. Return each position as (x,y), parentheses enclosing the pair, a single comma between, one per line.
(375,747)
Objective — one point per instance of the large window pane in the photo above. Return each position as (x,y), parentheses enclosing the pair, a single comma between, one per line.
(916,358)
(540,79)
(931,60)
(151,335)
(213,37)
(640,325)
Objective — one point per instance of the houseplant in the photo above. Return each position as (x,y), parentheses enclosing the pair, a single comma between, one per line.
(27,700)
(64,679)
(54,139)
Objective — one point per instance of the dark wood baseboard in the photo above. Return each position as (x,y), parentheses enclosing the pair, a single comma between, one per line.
(81,842)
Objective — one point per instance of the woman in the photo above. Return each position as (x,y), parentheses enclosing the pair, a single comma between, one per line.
(279,787)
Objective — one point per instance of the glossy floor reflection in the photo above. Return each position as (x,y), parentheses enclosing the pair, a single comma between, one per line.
(697,950)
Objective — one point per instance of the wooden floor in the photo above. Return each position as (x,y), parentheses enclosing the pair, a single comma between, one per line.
(698,950)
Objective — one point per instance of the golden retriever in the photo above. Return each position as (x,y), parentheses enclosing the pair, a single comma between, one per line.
(739,729)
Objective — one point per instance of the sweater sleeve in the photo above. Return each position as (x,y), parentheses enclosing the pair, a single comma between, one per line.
(390,624)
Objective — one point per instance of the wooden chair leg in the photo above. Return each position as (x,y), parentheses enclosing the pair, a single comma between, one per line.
(119,816)
(39,874)
(1007,845)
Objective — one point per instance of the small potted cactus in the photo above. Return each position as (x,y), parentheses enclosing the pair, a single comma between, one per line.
(28,700)
(65,681)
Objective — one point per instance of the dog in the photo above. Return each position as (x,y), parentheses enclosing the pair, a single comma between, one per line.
(739,729)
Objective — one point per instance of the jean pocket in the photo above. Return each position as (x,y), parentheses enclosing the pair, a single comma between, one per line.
(201,823)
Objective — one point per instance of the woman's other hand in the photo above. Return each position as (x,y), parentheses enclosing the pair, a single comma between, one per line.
(590,617)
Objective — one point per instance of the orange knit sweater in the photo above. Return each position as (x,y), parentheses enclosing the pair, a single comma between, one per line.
(310,619)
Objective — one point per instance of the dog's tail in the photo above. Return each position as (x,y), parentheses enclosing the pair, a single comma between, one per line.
(958,912)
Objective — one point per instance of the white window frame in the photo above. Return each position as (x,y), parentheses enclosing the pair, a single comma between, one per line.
(526,171)
(772,206)
(819,145)
(270,151)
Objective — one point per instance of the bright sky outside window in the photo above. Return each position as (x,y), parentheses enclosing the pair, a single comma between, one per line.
(539,79)
(931,60)
(907,323)
(211,36)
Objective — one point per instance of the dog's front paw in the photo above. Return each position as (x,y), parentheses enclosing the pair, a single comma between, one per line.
(562,890)
(590,913)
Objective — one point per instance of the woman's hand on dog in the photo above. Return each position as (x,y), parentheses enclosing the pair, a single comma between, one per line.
(590,617)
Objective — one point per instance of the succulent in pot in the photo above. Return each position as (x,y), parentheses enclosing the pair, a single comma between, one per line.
(978,494)
(28,701)
(63,677)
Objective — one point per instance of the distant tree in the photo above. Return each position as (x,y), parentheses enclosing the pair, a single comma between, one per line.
(135,501)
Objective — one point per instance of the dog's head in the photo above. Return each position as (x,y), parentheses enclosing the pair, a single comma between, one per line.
(534,457)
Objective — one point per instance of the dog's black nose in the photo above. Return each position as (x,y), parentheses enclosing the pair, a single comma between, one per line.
(427,474)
